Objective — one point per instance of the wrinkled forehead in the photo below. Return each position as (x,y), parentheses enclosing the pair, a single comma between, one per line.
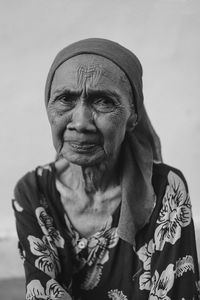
(90,69)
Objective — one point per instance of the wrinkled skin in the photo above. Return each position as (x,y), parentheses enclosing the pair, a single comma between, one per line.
(90,109)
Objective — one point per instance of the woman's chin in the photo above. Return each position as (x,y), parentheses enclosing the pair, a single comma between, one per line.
(84,159)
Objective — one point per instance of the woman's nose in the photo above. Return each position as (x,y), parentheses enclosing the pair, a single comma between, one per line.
(82,119)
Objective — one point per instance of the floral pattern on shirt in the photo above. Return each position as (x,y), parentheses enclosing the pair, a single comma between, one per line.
(98,249)
(162,284)
(145,254)
(35,290)
(116,295)
(17,206)
(46,224)
(164,261)
(175,213)
(183,265)
(96,253)
(46,248)
(47,260)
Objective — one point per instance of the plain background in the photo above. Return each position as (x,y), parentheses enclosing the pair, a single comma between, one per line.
(164,34)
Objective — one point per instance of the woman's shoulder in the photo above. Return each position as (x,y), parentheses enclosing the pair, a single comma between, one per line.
(164,174)
(163,169)
(30,181)
(40,170)
(171,192)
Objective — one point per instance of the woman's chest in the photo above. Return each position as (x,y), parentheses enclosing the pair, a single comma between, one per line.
(89,220)
(90,213)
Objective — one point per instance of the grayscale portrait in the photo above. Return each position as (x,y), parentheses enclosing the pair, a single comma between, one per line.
(101,127)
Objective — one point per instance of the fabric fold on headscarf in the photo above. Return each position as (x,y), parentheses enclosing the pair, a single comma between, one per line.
(140,147)
(138,198)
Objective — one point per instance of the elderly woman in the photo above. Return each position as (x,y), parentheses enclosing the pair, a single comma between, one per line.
(107,219)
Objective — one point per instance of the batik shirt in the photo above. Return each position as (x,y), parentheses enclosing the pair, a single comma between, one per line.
(60,264)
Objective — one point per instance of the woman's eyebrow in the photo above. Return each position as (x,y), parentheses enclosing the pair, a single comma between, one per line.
(64,90)
(103,92)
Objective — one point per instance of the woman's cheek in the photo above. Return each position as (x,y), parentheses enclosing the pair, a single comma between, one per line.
(54,113)
(112,128)
(58,126)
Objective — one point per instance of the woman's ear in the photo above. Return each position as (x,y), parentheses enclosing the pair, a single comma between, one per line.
(132,121)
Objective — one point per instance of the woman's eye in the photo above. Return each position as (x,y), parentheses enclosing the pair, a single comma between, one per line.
(104,104)
(67,101)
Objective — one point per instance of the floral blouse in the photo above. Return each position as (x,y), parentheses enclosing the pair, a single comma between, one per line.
(60,264)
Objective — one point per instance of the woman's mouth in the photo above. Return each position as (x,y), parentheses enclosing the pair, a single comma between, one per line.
(83,147)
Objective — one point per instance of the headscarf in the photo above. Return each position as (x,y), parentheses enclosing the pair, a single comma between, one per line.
(140,147)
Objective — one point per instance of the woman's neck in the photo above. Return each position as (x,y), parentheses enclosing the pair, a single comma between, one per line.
(90,195)
(92,178)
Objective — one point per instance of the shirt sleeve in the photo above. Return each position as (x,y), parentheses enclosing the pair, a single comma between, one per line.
(170,266)
(39,245)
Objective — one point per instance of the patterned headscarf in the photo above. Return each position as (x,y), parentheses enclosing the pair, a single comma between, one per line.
(140,147)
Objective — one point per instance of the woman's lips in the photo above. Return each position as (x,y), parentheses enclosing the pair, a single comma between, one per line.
(83,147)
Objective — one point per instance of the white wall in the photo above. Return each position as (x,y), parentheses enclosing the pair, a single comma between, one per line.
(163,33)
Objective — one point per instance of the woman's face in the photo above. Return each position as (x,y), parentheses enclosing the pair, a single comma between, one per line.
(89,109)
